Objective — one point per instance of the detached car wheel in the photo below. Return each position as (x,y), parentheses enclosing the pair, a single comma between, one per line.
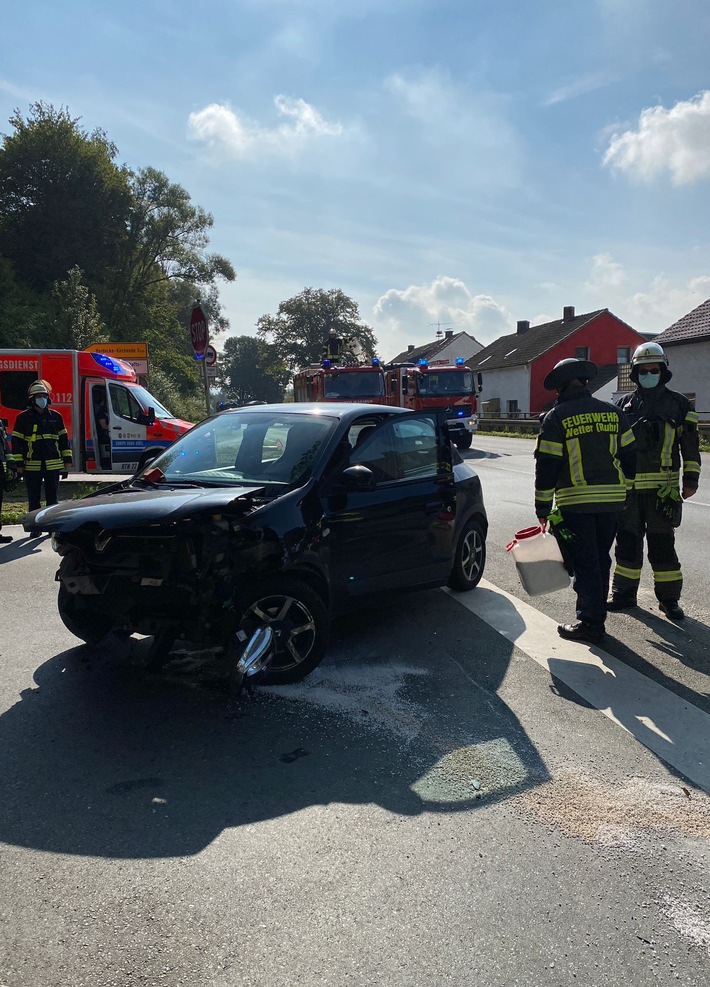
(87,625)
(298,616)
(470,558)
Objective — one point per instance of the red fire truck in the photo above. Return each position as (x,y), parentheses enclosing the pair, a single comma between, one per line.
(448,390)
(114,424)
(330,381)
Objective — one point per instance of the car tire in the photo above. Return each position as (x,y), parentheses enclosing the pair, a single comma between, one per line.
(299,617)
(470,558)
(88,625)
(464,441)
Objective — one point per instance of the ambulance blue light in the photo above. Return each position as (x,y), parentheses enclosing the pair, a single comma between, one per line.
(423,362)
(108,364)
(326,364)
(459,361)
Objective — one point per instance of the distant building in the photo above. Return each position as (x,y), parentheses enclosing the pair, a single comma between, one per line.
(514,367)
(687,345)
(443,351)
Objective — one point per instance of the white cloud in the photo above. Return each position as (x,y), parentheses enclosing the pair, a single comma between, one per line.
(469,131)
(411,315)
(675,140)
(218,123)
(580,87)
(606,273)
(665,302)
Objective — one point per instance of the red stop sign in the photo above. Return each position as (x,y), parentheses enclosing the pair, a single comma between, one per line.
(199,333)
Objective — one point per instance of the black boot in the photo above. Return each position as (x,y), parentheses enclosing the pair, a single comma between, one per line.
(622,601)
(671,609)
(593,633)
(5,539)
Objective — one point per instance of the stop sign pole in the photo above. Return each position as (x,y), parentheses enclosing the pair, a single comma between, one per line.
(200,337)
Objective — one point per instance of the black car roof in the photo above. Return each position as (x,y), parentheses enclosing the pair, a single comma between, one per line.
(327,409)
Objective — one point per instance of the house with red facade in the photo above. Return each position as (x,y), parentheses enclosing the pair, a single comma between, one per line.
(514,367)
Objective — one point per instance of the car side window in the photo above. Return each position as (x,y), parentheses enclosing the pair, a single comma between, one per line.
(398,450)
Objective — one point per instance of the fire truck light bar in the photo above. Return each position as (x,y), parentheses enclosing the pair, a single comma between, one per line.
(423,362)
(459,361)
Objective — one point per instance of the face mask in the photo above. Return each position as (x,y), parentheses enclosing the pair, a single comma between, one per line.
(41,403)
(649,380)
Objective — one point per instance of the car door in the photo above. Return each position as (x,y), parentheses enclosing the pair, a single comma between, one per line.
(399,534)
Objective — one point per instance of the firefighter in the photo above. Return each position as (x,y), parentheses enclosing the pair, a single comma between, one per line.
(40,447)
(584,462)
(333,346)
(6,467)
(666,430)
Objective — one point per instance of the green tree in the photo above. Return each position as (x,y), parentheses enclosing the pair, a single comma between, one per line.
(63,200)
(165,245)
(24,315)
(76,322)
(250,370)
(299,330)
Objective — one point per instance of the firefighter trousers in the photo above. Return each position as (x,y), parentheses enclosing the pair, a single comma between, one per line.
(641,520)
(34,478)
(590,555)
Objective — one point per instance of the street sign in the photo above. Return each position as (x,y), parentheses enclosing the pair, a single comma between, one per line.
(199,333)
(210,355)
(211,371)
(124,351)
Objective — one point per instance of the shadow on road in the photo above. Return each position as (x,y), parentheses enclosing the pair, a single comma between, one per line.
(97,761)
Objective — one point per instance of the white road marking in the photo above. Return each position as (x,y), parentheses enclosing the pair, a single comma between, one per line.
(659,719)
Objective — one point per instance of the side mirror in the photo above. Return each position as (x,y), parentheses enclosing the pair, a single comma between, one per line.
(147,417)
(405,384)
(359,477)
(479,380)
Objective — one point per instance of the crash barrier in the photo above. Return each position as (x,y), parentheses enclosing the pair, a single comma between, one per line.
(531,426)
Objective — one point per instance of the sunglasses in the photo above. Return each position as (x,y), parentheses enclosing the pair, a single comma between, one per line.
(650,370)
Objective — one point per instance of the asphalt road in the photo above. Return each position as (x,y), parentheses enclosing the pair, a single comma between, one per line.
(455,797)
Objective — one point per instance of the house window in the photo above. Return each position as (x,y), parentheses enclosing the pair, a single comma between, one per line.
(581,353)
(513,410)
(623,354)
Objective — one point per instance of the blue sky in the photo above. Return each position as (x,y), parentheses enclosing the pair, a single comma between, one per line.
(462,162)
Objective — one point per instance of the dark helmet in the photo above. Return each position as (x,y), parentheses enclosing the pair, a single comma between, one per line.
(566,370)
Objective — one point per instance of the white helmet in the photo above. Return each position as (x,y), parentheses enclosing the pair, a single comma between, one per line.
(649,353)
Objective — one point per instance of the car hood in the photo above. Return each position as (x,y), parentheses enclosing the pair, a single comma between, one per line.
(132,508)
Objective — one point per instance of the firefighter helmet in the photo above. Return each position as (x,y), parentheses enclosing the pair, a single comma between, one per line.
(38,388)
(649,353)
(566,370)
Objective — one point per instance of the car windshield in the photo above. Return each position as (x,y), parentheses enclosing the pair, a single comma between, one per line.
(247,448)
(348,384)
(452,382)
(147,400)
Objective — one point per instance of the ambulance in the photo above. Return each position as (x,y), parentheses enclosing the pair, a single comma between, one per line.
(114,424)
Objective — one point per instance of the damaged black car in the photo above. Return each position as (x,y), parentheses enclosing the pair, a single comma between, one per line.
(280,516)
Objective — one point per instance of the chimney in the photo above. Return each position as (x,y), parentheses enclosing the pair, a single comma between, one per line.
(410,347)
(449,334)
(568,313)
(523,326)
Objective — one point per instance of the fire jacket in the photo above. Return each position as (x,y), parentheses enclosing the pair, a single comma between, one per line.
(39,437)
(584,457)
(666,430)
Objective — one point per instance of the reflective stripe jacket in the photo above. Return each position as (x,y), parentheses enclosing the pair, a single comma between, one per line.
(40,437)
(666,430)
(584,457)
